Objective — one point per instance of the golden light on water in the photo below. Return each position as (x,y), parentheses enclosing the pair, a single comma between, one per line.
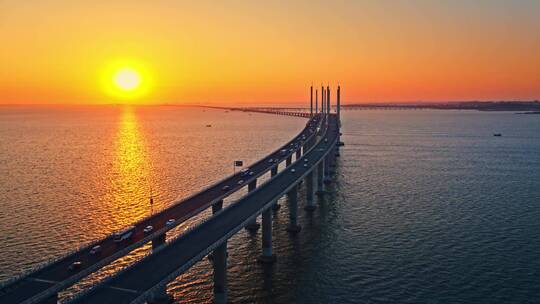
(126,80)
(132,176)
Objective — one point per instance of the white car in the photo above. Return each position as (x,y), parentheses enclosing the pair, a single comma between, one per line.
(148,229)
(244,172)
(240,181)
(293,171)
(169,222)
(95,250)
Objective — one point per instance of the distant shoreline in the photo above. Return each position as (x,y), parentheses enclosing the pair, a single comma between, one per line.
(528,107)
(532,112)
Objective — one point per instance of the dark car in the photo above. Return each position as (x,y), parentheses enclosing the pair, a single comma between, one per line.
(75,265)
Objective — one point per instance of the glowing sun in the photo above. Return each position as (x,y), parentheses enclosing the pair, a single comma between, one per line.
(127,79)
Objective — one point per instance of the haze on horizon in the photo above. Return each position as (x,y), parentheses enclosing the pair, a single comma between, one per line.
(58,51)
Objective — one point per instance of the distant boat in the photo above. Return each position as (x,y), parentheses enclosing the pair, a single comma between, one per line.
(497,134)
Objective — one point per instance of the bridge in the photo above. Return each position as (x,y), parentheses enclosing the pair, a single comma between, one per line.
(314,150)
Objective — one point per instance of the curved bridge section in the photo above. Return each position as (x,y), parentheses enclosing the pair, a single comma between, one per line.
(147,279)
(44,283)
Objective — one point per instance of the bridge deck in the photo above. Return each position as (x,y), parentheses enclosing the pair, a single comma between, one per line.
(177,256)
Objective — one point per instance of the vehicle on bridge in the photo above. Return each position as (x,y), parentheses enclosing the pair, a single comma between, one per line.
(148,229)
(123,234)
(75,266)
(95,250)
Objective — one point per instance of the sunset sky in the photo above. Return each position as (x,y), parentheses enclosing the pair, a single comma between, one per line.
(268,51)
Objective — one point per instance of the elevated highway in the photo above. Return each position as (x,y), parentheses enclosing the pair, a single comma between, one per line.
(141,281)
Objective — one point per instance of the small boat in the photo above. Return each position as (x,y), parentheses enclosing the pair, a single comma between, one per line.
(497,134)
(208,126)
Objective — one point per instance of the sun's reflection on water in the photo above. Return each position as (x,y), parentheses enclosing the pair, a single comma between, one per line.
(131,176)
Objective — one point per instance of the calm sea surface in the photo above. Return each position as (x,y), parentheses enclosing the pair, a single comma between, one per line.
(427,207)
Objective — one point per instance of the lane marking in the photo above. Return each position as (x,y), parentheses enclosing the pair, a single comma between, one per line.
(124,289)
(43,281)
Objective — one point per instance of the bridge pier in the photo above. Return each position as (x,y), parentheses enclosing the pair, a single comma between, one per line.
(220,274)
(217,206)
(298,153)
(310,206)
(293,226)
(219,263)
(253,226)
(327,176)
(267,256)
(160,296)
(274,172)
(320,178)
(306,146)
(158,241)
(288,161)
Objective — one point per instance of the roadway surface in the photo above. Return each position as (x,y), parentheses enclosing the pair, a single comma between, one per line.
(131,284)
(47,281)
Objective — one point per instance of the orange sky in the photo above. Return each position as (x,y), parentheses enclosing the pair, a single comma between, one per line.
(271,51)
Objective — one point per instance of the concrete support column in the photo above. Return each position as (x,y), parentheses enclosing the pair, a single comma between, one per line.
(220,274)
(160,296)
(298,153)
(306,147)
(320,178)
(267,256)
(310,206)
(327,162)
(293,226)
(217,206)
(288,161)
(274,171)
(158,241)
(253,226)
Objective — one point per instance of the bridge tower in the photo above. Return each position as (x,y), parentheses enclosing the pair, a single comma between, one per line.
(328,100)
(322,99)
(339,105)
(311,102)
(316,101)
